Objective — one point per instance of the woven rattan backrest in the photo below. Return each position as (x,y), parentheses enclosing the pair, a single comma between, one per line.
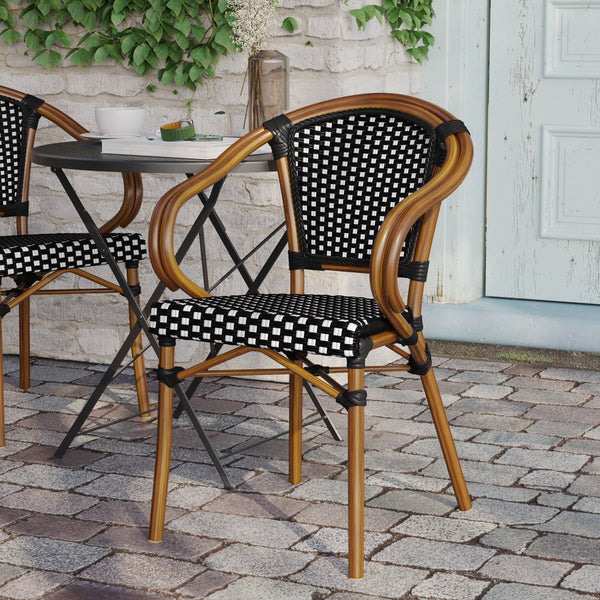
(348,170)
(16,117)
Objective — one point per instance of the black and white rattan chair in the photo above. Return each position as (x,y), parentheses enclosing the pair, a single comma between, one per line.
(32,261)
(362,180)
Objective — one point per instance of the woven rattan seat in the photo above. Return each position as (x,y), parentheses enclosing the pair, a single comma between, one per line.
(320,324)
(35,260)
(362,179)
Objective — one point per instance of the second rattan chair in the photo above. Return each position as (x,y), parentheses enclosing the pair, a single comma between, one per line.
(33,261)
(362,180)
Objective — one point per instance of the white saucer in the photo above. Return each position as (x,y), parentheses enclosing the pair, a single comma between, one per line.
(96,135)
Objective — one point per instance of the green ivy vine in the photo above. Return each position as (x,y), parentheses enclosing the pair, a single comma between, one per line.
(182,39)
(407,19)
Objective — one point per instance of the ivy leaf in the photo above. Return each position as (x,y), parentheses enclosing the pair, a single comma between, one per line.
(175,6)
(406,18)
(418,53)
(184,26)
(10,36)
(101,54)
(30,18)
(76,10)
(117,18)
(224,37)
(120,5)
(140,54)
(161,51)
(128,43)
(49,59)
(166,76)
(198,32)
(196,72)
(81,57)
(89,21)
(201,55)
(32,39)
(290,24)
(181,40)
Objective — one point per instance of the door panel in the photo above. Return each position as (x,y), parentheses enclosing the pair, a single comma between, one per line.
(543,198)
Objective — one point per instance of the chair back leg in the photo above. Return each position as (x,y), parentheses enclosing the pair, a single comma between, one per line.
(24,345)
(446,441)
(2,439)
(356,479)
(163,449)
(295,426)
(137,347)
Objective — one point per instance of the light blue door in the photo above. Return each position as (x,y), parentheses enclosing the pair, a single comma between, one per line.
(543,191)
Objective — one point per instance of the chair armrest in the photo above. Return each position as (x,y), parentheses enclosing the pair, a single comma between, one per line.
(164,217)
(425,202)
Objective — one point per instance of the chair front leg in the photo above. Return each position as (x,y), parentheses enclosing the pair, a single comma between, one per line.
(356,479)
(163,448)
(139,366)
(295,435)
(24,345)
(2,439)
(446,441)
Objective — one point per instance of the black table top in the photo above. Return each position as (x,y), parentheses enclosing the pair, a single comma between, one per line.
(88,156)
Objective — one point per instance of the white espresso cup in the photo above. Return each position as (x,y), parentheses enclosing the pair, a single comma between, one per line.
(120,120)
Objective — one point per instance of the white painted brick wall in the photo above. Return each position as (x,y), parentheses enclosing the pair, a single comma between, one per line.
(343,60)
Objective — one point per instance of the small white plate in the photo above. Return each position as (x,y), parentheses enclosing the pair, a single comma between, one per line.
(96,135)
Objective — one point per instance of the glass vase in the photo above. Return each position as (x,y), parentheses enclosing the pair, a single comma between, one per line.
(268,87)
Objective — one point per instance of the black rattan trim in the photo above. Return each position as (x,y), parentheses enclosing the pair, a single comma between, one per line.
(31,104)
(279,126)
(4,310)
(136,289)
(410,341)
(420,368)
(415,270)
(169,376)
(365,345)
(297,260)
(349,399)
(18,209)
(417,323)
(316,369)
(442,131)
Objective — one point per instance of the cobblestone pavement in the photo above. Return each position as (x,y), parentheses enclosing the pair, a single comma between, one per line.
(528,438)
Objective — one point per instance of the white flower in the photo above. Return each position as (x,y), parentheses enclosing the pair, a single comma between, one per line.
(254,20)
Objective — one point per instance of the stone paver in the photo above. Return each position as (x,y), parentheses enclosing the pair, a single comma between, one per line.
(528,438)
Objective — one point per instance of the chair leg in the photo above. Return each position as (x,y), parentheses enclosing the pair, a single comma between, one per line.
(2,439)
(446,441)
(356,479)
(139,366)
(24,345)
(295,434)
(163,449)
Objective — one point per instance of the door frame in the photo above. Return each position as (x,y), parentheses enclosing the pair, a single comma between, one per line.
(456,77)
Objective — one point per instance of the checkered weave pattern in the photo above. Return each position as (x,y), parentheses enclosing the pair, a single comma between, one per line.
(319,324)
(12,150)
(348,170)
(38,253)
